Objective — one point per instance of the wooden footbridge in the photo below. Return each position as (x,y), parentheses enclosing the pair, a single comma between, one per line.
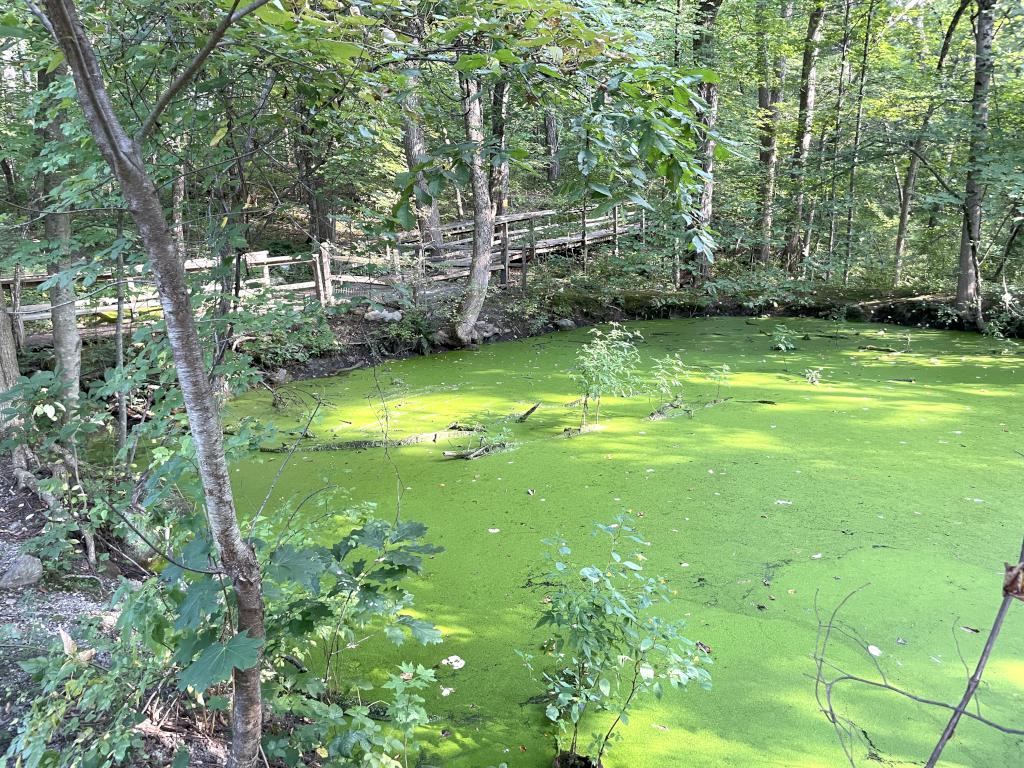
(359,265)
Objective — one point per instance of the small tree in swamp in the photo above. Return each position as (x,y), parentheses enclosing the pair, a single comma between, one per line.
(608,647)
(606,365)
(667,384)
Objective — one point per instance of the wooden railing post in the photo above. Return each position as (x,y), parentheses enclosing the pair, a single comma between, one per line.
(615,231)
(643,226)
(583,235)
(323,257)
(529,254)
(504,253)
(318,278)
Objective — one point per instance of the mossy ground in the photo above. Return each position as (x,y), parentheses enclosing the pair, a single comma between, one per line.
(896,474)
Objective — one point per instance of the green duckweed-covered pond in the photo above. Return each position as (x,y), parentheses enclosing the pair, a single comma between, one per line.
(898,473)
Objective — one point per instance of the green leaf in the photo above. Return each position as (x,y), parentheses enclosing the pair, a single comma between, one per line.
(200,601)
(8,31)
(181,758)
(470,61)
(218,660)
(220,134)
(301,566)
(605,687)
(341,51)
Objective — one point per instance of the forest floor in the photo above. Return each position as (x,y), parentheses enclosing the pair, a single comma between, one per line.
(893,478)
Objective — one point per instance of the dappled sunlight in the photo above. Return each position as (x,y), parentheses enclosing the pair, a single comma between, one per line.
(752,511)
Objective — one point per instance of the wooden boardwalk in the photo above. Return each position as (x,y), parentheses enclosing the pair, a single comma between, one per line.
(362,265)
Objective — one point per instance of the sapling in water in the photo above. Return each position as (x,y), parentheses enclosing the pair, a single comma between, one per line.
(608,647)
(607,364)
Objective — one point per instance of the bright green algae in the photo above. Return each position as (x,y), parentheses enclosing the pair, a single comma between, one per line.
(896,474)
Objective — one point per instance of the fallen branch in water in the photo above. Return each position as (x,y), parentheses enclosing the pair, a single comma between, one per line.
(476,453)
(358,445)
(524,416)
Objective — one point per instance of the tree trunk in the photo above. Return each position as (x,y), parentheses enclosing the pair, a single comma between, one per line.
(499,176)
(804,125)
(67,344)
(837,135)
(703,54)
(178,212)
(968,287)
(10,373)
(769,94)
(914,163)
(237,558)
(483,214)
(428,215)
(855,158)
(551,142)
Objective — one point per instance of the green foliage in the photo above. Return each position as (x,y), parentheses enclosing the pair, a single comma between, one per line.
(782,339)
(606,365)
(608,646)
(285,336)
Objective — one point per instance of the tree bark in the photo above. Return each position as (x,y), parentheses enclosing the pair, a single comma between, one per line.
(837,135)
(499,175)
(10,373)
(805,123)
(237,558)
(703,54)
(855,157)
(483,214)
(178,212)
(551,142)
(67,343)
(428,215)
(968,287)
(914,163)
(769,94)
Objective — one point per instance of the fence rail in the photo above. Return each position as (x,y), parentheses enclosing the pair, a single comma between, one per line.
(362,264)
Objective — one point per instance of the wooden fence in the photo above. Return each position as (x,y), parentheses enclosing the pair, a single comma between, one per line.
(362,265)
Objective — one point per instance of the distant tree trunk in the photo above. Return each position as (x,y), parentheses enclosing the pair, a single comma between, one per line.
(914,162)
(178,212)
(703,54)
(10,373)
(837,135)
(236,556)
(551,142)
(769,94)
(483,214)
(804,125)
(968,287)
(67,343)
(428,216)
(499,175)
(855,157)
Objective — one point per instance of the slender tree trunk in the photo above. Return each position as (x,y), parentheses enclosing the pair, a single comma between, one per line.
(10,373)
(968,287)
(428,215)
(237,557)
(703,54)
(483,214)
(917,148)
(804,125)
(855,157)
(499,176)
(67,343)
(551,142)
(178,212)
(837,136)
(769,94)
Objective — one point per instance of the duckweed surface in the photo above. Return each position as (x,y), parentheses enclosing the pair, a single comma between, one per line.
(897,474)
